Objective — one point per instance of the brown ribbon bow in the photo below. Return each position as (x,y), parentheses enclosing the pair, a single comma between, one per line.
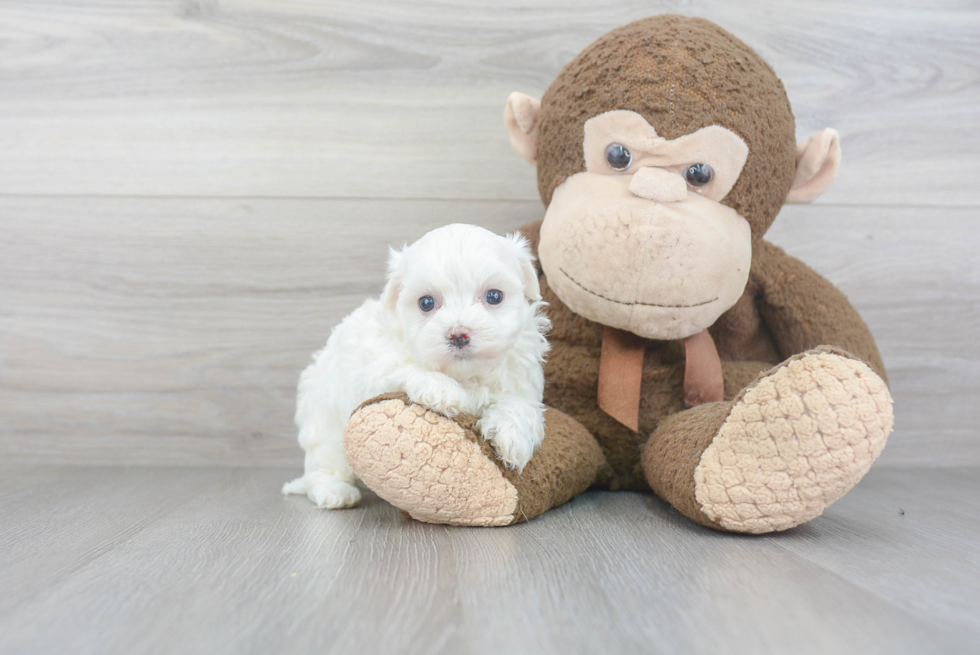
(621,374)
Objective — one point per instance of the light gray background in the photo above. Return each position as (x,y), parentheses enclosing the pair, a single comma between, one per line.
(193,193)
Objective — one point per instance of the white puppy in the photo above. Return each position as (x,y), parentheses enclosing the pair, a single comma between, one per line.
(458,328)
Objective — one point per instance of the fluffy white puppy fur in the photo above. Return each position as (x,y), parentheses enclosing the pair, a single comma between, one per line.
(458,328)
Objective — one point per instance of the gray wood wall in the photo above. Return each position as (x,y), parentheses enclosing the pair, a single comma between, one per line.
(192,193)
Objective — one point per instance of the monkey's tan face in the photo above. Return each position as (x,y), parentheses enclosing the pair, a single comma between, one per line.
(640,240)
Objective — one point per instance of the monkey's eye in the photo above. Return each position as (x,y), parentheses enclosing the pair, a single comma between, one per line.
(427,303)
(494,297)
(619,157)
(698,174)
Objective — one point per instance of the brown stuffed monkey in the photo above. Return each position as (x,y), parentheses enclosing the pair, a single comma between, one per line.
(689,356)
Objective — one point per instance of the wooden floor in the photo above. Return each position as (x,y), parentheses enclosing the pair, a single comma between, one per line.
(195,560)
(192,192)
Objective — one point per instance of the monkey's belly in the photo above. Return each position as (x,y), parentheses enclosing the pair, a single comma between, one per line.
(572,380)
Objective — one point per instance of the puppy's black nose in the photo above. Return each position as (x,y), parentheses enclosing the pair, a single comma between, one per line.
(459,338)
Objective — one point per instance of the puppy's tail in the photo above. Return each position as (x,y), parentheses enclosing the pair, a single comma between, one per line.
(297,486)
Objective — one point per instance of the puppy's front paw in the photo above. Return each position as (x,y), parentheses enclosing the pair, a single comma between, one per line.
(513,442)
(333,494)
(438,392)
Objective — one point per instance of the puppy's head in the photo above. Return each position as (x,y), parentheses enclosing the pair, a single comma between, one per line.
(463,296)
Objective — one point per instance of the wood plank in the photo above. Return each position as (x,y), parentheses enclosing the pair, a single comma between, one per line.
(908,535)
(241,569)
(397,99)
(57,520)
(172,331)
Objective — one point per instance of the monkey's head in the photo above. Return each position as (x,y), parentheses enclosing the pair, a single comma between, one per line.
(664,151)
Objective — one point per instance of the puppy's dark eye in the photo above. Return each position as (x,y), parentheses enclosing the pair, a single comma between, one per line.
(618,157)
(698,174)
(494,297)
(427,303)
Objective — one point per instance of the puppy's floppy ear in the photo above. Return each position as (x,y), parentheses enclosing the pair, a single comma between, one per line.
(522,248)
(395,275)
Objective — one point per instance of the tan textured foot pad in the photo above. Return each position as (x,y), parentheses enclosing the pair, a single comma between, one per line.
(427,465)
(794,443)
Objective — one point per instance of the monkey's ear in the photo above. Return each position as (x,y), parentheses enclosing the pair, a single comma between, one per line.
(521,118)
(394,286)
(817,161)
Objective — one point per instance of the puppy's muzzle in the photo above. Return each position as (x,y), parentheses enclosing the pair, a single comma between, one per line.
(459,337)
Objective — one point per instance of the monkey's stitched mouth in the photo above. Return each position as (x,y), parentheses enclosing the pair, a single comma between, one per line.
(621,302)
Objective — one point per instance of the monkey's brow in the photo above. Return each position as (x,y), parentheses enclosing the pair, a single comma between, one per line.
(636,302)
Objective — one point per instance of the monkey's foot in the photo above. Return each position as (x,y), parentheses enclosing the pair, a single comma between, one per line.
(438,470)
(793,443)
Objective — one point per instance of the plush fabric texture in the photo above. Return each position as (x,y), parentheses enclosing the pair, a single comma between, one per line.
(568,462)
(681,74)
(439,470)
(658,184)
(673,453)
(714,145)
(817,161)
(794,443)
(419,461)
(521,117)
(594,261)
(773,320)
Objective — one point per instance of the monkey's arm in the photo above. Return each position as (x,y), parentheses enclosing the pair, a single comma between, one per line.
(803,310)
